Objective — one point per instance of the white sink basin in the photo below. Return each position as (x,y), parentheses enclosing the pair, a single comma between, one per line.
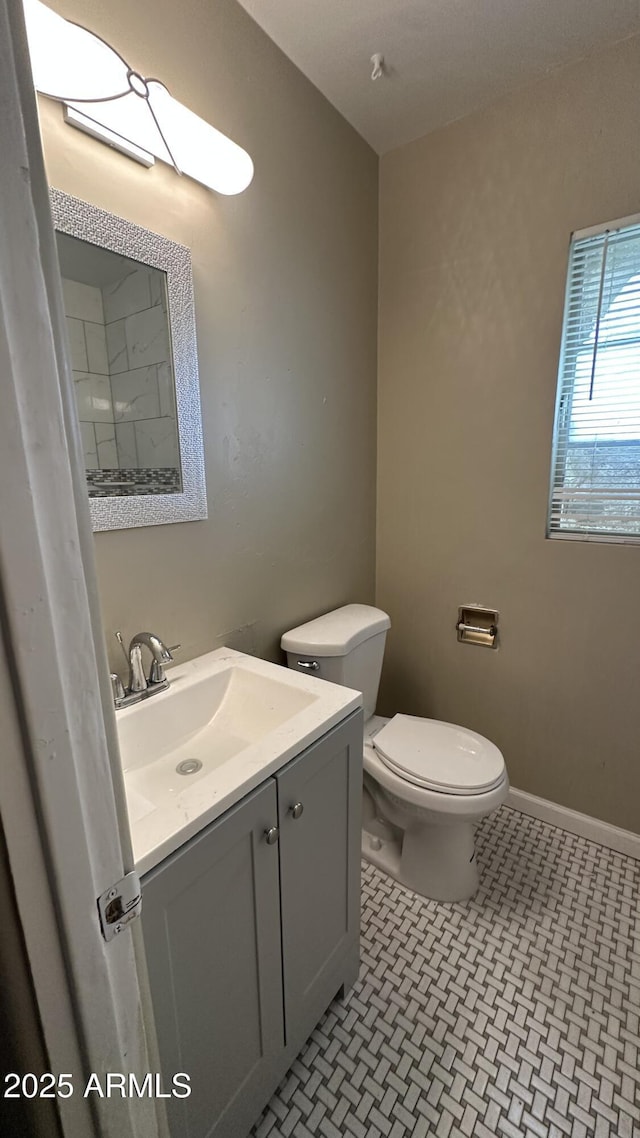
(209,720)
(231,720)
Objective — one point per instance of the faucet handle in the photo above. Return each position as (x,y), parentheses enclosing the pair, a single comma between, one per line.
(117,689)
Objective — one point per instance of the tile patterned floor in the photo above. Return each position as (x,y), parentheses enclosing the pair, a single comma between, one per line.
(515,1014)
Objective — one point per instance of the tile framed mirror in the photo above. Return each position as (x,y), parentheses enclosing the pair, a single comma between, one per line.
(128,302)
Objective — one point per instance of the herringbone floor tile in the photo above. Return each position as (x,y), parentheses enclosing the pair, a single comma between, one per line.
(513,1015)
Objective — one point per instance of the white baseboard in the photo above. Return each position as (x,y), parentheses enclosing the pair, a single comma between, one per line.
(622,841)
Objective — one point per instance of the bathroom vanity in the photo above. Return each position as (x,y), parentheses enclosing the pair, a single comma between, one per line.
(251,923)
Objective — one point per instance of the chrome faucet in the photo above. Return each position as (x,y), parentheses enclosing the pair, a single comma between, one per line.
(140,686)
(161,655)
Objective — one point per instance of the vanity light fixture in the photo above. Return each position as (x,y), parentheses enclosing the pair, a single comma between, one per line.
(105,97)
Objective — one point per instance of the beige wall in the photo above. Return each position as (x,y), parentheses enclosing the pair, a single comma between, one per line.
(475,225)
(285,288)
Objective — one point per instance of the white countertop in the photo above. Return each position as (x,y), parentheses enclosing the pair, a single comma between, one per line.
(165,809)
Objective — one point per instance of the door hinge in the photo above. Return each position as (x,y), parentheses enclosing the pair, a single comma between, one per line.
(120,905)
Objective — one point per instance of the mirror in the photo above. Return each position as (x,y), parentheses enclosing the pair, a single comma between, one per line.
(130,322)
(116,311)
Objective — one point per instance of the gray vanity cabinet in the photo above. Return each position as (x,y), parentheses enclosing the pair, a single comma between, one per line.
(319,805)
(211,924)
(248,941)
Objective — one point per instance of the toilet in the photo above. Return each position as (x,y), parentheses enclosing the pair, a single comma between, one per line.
(427,784)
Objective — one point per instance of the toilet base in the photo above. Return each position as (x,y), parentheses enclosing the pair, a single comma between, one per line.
(384,853)
(436,861)
(440,861)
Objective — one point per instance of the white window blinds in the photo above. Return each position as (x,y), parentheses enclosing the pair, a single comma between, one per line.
(595,476)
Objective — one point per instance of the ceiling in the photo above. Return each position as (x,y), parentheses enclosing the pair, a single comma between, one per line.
(445,58)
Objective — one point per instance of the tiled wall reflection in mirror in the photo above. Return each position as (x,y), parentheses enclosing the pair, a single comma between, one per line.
(116,311)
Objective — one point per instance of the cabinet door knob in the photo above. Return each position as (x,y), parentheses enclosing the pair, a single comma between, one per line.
(272,835)
(296,810)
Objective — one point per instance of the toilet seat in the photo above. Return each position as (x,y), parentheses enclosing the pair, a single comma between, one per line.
(439,756)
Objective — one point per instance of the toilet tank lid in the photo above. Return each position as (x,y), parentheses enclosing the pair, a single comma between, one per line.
(337,632)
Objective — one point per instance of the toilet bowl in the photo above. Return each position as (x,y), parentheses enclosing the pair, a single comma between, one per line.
(426,783)
(419,823)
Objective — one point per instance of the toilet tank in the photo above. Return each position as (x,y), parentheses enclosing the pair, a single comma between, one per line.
(345,646)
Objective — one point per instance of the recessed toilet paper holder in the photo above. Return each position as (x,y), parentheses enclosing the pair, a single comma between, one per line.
(478,625)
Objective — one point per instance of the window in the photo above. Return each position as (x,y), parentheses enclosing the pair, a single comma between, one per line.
(595,475)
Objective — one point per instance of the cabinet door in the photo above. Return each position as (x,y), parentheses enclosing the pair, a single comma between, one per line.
(320,873)
(211,924)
